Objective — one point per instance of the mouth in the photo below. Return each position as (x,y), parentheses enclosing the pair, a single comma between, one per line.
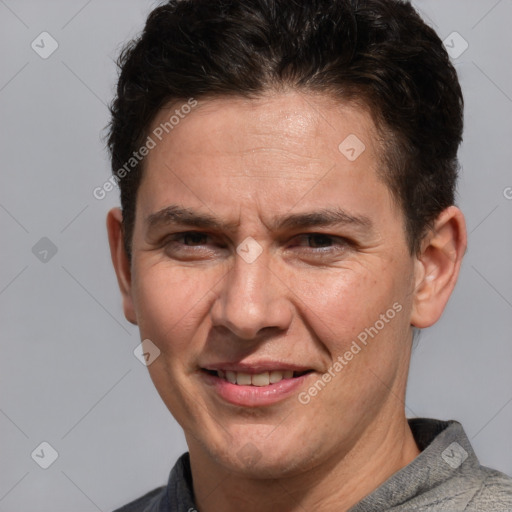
(259,379)
(257,385)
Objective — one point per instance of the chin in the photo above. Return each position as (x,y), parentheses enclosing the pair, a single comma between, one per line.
(270,458)
(263,465)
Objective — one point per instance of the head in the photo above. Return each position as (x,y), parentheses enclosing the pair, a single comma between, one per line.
(293,205)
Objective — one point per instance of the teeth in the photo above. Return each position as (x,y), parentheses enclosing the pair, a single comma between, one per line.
(243,379)
(275,376)
(259,379)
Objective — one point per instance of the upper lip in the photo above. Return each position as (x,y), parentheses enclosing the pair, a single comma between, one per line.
(255,367)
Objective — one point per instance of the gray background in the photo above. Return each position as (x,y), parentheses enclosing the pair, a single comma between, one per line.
(68,373)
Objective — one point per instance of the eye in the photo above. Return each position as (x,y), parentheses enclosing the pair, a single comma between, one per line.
(190,238)
(321,241)
(192,245)
(317,240)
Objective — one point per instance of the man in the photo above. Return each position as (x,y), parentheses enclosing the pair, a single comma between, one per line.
(287,175)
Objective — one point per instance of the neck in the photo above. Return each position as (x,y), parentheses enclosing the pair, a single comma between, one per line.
(340,482)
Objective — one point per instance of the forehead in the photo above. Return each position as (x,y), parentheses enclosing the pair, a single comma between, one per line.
(280,151)
(305,126)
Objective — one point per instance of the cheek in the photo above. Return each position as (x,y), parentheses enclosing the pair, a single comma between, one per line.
(170,304)
(340,305)
(344,313)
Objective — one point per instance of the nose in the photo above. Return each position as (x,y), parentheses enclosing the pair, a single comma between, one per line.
(251,299)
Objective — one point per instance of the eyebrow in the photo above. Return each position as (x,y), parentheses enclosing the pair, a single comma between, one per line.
(319,218)
(177,215)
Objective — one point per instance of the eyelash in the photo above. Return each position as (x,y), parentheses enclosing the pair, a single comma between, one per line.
(177,236)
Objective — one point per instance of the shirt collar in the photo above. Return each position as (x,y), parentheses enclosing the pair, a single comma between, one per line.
(446,453)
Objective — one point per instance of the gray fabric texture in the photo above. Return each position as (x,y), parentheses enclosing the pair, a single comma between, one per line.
(445,477)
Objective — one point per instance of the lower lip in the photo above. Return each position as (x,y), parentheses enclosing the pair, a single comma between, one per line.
(254,396)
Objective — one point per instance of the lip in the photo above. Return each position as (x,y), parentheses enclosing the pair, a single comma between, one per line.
(253,396)
(256,367)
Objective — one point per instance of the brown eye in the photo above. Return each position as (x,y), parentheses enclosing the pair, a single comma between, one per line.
(192,238)
(193,246)
(319,240)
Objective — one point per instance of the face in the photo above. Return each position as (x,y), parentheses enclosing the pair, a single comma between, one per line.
(270,268)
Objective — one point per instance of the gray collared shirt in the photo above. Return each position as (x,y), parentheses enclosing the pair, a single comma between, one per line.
(445,477)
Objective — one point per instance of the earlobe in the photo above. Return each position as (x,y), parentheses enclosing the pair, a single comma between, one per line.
(437,267)
(121,262)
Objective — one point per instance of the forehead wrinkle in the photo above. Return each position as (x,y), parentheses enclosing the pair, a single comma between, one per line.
(281,151)
(271,162)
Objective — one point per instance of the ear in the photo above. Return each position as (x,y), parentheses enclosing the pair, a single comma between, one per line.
(437,267)
(121,262)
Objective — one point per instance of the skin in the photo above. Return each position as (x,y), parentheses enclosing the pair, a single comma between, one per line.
(303,301)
